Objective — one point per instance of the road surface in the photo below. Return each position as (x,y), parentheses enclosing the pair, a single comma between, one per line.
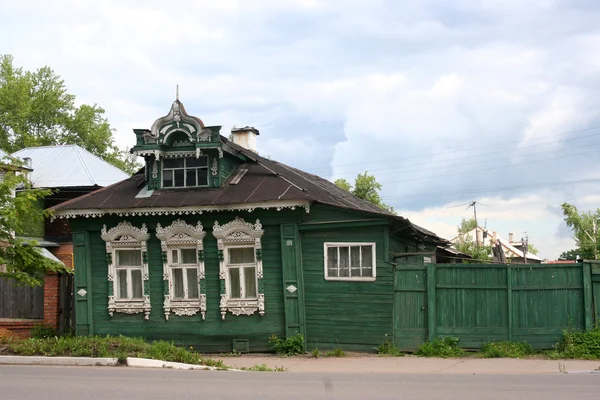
(122,383)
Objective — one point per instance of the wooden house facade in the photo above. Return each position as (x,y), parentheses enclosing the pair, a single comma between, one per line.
(213,246)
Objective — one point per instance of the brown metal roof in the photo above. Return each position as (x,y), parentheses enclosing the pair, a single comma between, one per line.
(265,181)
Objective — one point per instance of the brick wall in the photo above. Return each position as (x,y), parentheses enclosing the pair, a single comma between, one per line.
(20,327)
(52,285)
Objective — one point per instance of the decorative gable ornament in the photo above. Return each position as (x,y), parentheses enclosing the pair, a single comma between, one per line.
(126,236)
(179,233)
(238,232)
(178,120)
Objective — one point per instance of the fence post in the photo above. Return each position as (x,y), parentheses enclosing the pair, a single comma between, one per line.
(431,303)
(588,311)
(509,302)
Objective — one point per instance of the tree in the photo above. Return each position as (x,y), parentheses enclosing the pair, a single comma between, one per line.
(585,229)
(20,259)
(574,254)
(37,110)
(465,243)
(367,188)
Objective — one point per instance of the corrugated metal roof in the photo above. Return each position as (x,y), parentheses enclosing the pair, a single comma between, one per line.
(68,166)
(3,154)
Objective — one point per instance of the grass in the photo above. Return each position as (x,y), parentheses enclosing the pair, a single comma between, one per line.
(580,345)
(288,346)
(316,353)
(263,368)
(337,352)
(441,347)
(506,350)
(119,347)
(388,348)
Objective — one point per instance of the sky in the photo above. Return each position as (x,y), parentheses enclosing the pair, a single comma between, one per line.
(446,103)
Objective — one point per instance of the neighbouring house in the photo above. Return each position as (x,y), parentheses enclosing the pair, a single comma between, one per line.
(70,171)
(513,250)
(213,246)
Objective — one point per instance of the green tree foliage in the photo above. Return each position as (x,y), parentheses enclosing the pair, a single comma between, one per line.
(19,259)
(585,229)
(37,110)
(571,255)
(367,188)
(466,243)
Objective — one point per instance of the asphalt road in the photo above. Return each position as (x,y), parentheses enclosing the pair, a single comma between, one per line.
(122,383)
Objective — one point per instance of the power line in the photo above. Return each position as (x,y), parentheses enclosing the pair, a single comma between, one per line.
(464,150)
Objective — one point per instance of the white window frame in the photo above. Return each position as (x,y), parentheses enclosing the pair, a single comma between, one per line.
(125,236)
(327,245)
(242,273)
(184,267)
(181,235)
(238,233)
(185,168)
(128,268)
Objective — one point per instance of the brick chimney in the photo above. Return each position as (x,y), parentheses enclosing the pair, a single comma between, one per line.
(245,137)
(510,237)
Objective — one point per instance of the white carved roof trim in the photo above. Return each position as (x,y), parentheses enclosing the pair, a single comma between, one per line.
(125,228)
(238,225)
(180,227)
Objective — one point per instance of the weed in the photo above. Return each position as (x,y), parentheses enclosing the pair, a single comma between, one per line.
(388,348)
(582,345)
(337,352)
(506,350)
(263,368)
(43,331)
(316,353)
(288,346)
(441,347)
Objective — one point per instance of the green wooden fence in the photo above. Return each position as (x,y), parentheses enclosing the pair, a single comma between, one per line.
(479,303)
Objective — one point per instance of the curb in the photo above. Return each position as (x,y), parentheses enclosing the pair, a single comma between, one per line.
(150,363)
(68,361)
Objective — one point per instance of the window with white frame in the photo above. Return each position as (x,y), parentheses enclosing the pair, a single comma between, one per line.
(350,261)
(185,172)
(183,268)
(183,263)
(129,274)
(241,270)
(241,273)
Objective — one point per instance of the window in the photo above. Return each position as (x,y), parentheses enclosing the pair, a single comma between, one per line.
(127,269)
(183,268)
(184,273)
(185,172)
(350,261)
(129,274)
(241,271)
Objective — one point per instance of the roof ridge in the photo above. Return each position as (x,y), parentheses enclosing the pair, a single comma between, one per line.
(85,166)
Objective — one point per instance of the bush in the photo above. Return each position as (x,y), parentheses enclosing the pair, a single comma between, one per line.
(584,345)
(506,350)
(388,348)
(288,346)
(43,331)
(441,347)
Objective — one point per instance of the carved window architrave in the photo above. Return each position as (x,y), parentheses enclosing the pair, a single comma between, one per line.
(125,236)
(235,233)
(180,234)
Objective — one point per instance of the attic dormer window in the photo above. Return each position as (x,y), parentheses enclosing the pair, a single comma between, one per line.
(185,172)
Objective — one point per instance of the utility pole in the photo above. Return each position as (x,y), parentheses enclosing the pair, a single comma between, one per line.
(524,243)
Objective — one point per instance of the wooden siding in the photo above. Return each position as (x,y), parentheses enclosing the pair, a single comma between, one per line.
(351,315)
(21,301)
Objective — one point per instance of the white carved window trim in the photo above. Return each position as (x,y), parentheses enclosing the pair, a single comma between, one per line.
(125,236)
(180,235)
(338,245)
(238,233)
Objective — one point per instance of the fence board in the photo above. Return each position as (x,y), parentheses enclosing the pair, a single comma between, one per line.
(20,301)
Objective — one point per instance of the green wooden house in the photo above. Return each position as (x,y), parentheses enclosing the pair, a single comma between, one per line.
(214,246)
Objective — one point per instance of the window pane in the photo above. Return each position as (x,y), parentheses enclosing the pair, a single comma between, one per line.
(202,177)
(355,257)
(344,261)
(129,257)
(234,283)
(190,177)
(173,163)
(122,284)
(188,256)
(136,283)
(332,259)
(241,255)
(167,178)
(196,162)
(177,283)
(192,281)
(367,260)
(250,282)
(174,256)
(179,178)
